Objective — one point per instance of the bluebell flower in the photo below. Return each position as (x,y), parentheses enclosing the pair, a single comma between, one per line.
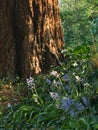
(78,78)
(71,107)
(67,103)
(79,106)
(85,101)
(30,83)
(54,73)
(48,81)
(65,77)
(54,95)
(67,88)
(73,113)
(55,83)
(70,101)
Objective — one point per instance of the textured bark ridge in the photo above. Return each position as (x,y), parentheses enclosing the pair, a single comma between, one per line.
(30,37)
(7,42)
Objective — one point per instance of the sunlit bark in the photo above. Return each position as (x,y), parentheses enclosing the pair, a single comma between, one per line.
(31,31)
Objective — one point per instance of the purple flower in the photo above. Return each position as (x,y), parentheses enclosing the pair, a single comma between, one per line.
(55,83)
(54,95)
(54,73)
(65,77)
(79,106)
(30,83)
(71,107)
(48,81)
(84,101)
(67,103)
(73,113)
(67,88)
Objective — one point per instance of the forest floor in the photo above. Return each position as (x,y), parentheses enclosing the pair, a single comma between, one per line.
(10,96)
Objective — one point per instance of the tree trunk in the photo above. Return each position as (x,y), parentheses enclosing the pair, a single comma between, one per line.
(31,36)
(7,42)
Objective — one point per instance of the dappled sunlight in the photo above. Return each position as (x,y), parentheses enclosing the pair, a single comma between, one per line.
(31,37)
(55,87)
(35,65)
(35,25)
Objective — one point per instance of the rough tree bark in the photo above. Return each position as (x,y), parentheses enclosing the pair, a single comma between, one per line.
(30,36)
(7,42)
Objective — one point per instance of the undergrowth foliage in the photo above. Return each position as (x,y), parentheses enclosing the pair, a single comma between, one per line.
(65,98)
